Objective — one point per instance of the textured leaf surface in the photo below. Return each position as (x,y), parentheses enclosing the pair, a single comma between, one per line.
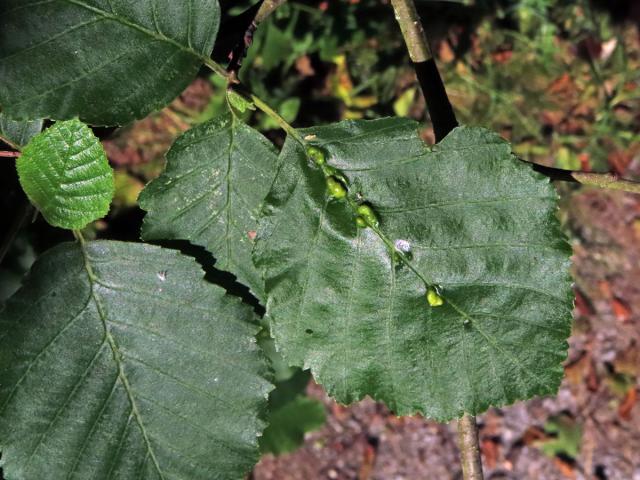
(216,178)
(118,360)
(18,133)
(106,61)
(65,173)
(470,217)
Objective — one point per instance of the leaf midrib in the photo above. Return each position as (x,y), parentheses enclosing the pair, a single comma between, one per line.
(93,280)
(491,341)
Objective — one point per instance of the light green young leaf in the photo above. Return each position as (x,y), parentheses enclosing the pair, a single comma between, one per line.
(18,133)
(238,102)
(117,360)
(211,192)
(107,62)
(65,173)
(465,215)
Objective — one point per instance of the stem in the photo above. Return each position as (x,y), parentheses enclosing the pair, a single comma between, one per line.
(286,126)
(79,237)
(243,43)
(469,448)
(440,110)
(609,181)
(217,68)
(444,120)
(267,8)
(412,30)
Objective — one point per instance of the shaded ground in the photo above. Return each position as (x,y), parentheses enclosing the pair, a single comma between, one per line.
(597,408)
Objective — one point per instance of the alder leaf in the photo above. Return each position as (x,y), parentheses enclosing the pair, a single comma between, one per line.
(65,173)
(18,133)
(464,216)
(211,192)
(117,360)
(106,62)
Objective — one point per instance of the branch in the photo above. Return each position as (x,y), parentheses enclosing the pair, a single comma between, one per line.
(412,30)
(609,181)
(440,110)
(469,448)
(240,50)
(267,8)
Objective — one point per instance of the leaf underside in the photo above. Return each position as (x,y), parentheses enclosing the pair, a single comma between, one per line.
(107,62)
(65,173)
(17,133)
(211,192)
(470,217)
(118,360)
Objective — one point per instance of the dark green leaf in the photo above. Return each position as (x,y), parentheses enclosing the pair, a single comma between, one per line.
(216,178)
(66,175)
(117,360)
(106,61)
(17,134)
(350,303)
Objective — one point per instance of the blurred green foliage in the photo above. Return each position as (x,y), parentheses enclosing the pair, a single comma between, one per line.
(564,437)
(559,79)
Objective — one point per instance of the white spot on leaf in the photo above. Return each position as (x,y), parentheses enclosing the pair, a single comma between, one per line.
(403,246)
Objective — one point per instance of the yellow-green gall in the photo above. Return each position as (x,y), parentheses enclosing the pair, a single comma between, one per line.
(433,298)
(328,170)
(366,212)
(336,188)
(361,222)
(317,155)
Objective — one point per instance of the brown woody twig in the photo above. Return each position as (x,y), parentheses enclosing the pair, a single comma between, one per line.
(469,448)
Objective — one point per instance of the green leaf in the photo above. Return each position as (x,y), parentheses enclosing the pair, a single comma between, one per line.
(117,360)
(291,412)
(289,423)
(66,175)
(107,62)
(291,415)
(240,103)
(465,217)
(211,192)
(566,437)
(16,133)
